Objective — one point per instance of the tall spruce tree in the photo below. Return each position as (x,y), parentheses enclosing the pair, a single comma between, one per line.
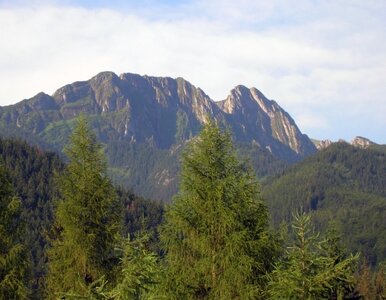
(137,275)
(215,232)
(139,271)
(310,270)
(88,219)
(14,262)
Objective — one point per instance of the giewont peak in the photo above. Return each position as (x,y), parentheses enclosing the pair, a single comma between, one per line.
(241,98)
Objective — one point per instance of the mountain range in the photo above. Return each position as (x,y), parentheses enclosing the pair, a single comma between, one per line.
(358,141)
(144,122)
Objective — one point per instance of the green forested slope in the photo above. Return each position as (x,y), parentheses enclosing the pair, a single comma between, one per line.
(153,173)
(32,174)
(341,185)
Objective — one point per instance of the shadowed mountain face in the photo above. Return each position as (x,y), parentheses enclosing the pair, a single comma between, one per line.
(134,112)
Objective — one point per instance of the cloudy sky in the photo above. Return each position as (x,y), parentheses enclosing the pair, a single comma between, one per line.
(322,61)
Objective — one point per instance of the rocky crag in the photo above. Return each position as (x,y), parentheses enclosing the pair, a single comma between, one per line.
(135,115)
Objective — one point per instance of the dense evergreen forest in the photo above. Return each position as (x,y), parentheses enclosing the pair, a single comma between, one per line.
(31,174)
(341,186)
(68,233)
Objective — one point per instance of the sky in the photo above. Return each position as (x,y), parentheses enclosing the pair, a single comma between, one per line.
(324,61)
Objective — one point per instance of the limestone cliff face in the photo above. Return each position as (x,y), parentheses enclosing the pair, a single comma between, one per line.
(322,144)
(361,142)
(130,107)
(264,121)
(161,111)
(358,141)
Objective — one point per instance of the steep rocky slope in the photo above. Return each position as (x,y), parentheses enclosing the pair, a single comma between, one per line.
(255,118)
(134,115)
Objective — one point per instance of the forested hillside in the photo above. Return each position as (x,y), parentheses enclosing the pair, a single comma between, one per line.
(90,240)
(32,173)
(342,186)
(155,172)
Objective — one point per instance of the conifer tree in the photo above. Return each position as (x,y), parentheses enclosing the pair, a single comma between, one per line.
(136,280)
(88,218)
(215,232)
(380,282)
(14,263)
(339,287)
(371,284)
(309,271)
(139,271)
(365,284)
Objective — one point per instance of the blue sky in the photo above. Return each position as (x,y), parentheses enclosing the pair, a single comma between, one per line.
(322,61)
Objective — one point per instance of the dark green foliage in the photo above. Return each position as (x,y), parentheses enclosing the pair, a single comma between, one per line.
(88,217)
(149,171)
(14,261)
(379,148)
(139,271)
(311,269)
(371,284)
(341,184)
(360,218)
(263,162)
(137,275)
(332,247)
(184,130)
(141,215)
(152,172)
(215,232)
(31,174)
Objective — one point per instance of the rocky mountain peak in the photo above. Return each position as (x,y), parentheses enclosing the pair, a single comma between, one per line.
(103,77)
(358,141)
(241,100)
(41,102)
(160,110)
(322,144)
(240,91)
(361,142)
(252,109)
(242,97)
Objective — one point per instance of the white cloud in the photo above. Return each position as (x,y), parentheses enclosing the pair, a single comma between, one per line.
(311,121)
(323,62)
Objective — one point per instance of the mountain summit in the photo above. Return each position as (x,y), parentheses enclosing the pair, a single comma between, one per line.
(131,110)
(255,118)
(163,110)
(358,141)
